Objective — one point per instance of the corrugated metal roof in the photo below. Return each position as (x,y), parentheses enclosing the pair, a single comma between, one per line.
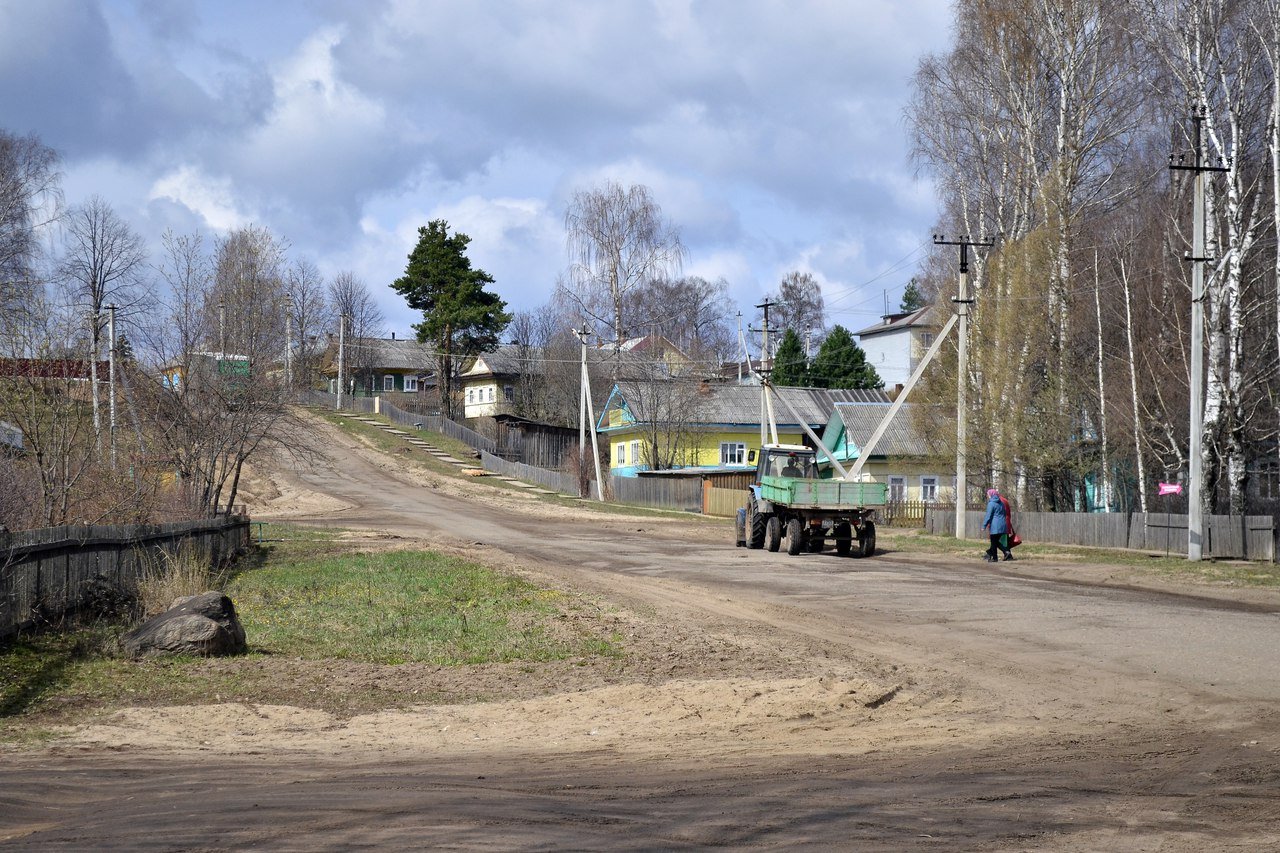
(518,360)
(740,404)
(900,439)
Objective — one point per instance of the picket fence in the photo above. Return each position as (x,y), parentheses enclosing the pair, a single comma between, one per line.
(51,572)
(1236,537)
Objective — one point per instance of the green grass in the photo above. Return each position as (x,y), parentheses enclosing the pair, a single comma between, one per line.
(310,605)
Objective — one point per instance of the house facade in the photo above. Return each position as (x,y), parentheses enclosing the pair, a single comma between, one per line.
(377,366)
(904,458)
(715,429)
(895,346)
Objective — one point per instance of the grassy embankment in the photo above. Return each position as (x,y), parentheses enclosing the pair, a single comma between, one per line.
(330,624)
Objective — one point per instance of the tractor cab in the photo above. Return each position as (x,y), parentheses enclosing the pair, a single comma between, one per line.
(786,460)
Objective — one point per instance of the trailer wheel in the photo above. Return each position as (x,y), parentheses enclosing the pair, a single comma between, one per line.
(867,540)
(795,537)
(756,521)
(773,533)
(844,538)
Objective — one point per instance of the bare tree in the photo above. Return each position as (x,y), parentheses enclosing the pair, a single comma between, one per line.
(311,315)
(799,304)
(691,312)
(350,297)
(247,299)
(618,242)
(103,263)
(30,198)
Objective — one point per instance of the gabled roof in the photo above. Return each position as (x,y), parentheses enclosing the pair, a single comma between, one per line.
(739,405)
(852,425)
(918,319)
(520,360)
(383,354)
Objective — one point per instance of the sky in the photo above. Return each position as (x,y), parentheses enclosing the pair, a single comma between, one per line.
(770,133)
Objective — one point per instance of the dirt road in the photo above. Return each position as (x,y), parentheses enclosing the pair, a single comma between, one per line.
(902,701)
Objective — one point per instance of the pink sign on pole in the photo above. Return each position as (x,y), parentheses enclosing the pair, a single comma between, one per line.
(1170,488)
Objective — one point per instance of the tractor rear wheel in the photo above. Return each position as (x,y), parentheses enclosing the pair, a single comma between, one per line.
(844,538)
(773,533)
(756,522)
(795,536)
(867,540)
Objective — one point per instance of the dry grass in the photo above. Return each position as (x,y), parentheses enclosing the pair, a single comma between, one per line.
(174,574)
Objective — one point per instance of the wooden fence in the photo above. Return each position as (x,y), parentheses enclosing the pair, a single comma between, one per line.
(1248,537)
(723,502)
(680,494)
(48,573)
(554,480)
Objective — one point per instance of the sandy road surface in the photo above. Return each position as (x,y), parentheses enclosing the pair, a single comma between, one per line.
(872,704)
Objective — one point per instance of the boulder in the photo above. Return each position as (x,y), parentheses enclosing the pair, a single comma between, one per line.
(204,625)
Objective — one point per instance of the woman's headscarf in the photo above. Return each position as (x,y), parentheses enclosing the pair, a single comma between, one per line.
(991,493)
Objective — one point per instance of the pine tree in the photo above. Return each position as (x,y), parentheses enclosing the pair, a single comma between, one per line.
(459,316)
(790,366)
(841,363)
(912,298)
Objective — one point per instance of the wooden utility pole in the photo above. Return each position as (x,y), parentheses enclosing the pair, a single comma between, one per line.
(111,382)
(342,354)
(1195,510)
(962,303)
(587,418)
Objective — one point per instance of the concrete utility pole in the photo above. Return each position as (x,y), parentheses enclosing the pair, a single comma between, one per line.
(342,355)
(962,303)
(222,331)
(587,414)
(766,364)
(1195,511)
(288,342)
(111,379)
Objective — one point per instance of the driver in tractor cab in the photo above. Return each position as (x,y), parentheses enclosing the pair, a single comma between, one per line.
(791,469)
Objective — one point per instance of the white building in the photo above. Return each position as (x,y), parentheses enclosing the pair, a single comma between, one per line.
(895,345)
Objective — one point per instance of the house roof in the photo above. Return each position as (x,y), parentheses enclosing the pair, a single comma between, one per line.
(518,360)
(918,319)
(859,421)
(384,354)
(739,405)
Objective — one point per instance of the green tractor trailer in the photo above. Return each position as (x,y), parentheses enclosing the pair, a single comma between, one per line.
(789,501)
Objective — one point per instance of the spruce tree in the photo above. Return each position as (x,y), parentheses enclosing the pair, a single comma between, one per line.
(790,366)
(912,298)
(841,363)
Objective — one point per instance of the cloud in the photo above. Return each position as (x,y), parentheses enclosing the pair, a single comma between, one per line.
(212,199)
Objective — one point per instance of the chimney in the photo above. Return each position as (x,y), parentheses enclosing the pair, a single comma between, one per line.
(393,336)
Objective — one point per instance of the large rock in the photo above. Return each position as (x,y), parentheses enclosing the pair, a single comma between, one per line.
(204,625)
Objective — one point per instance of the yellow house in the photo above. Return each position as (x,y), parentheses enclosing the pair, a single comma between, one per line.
(675,424)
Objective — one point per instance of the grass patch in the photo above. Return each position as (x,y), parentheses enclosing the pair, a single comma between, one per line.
(329,625)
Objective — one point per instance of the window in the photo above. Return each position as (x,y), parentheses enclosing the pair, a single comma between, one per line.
(411,384)
(926,339)
(470,393)
(928,488)
(897,489)
(733,453)
(622,453)
(508,393)
(1268,480)
(635,453)
(388,383)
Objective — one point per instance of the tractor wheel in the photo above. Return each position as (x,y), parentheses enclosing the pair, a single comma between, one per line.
(773,533)
(844,538)
(756,522)
(815,540)
(867,540)
(795,536)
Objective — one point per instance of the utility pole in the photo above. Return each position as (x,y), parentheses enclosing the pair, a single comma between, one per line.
(587,414)
(1195,510)
(766,364)
(808,345)
(222,330)
(111,378)
(288,342)
(962,303)
(742,348)
(342,355)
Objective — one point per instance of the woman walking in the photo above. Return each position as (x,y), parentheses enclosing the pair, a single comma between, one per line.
(997,524)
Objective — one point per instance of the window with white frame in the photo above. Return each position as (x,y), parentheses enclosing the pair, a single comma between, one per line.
(470,393)
(622,453)
(411,384)
(928,488)
(388,383)
(897,489)
(635,453)
(733,453)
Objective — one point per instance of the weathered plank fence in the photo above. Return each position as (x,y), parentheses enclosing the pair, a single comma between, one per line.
(554,480)
(1234,537)
(47,572)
